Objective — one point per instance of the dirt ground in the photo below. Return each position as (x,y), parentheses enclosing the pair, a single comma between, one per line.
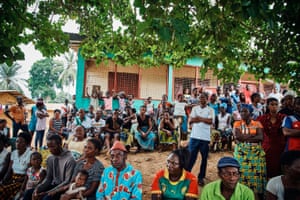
(150,162)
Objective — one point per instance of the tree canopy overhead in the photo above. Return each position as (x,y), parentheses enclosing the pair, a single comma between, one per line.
(43,80)
(9,79)
(29,21)
(262,35)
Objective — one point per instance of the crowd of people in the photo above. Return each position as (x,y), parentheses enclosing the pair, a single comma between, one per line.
(260,130)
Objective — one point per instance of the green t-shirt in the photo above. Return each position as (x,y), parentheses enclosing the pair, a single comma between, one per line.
(213,191)
(186,186)
(115,104)
(101,102)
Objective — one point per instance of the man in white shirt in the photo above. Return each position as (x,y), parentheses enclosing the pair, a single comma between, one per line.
(98,123)
(201,119)
(82,120)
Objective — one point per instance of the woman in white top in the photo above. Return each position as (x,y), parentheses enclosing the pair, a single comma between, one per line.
(76,143)
(19,162)
(149,106)
(180,115)
(41,116)
(286,186)
(94,97)
(224,126)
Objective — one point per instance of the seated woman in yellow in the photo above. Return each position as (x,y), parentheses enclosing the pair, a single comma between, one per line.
(76,143)
(167,132)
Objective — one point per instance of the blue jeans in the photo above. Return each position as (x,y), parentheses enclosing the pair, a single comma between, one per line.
(195,146)
(39,138)
(17,127)
(28,194)
(55,197)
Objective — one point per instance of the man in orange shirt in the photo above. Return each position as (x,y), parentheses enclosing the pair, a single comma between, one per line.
(17,114)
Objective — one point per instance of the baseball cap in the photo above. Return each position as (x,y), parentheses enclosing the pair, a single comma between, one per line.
(118,146)
(228,162)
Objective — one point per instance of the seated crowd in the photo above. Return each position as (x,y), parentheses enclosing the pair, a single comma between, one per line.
(261,130)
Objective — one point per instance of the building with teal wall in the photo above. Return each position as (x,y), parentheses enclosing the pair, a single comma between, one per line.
(83,101)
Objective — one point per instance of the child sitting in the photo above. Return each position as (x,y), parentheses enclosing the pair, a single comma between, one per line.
(35,175)
(74,190)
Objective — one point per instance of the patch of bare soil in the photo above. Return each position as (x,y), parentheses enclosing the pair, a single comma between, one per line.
(150,162)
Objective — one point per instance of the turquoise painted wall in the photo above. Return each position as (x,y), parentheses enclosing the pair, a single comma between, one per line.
(139,102)
(170,83)
(197,62)
(81,102)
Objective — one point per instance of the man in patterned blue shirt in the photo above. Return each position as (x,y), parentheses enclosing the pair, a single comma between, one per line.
(120,180)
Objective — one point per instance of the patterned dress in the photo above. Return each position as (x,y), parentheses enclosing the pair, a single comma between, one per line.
(251,158)
(33,177)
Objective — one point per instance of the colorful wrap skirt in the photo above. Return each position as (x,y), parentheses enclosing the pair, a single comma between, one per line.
(168,139)
(126,137)
(253,166)
(215,136)
(148,142)
(10,190)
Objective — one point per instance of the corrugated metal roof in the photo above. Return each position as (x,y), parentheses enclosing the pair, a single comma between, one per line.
(15,93)
(75,37)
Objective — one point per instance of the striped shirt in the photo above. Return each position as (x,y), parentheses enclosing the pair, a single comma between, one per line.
(57,125)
